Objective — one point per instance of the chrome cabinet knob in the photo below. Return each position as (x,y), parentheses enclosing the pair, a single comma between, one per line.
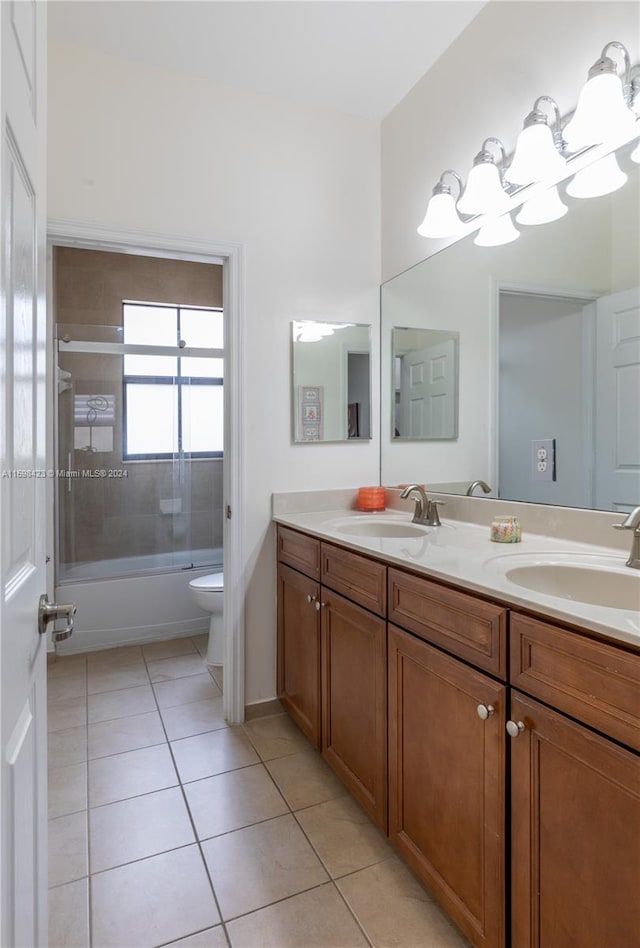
(485,711)
(311,599)
(318,605)
(515,728)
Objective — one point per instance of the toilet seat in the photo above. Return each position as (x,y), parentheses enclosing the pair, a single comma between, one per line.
(210,583)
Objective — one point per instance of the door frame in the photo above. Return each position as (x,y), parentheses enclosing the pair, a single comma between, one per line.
(95,236)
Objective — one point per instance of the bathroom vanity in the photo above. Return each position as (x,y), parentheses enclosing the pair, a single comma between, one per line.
(493,736)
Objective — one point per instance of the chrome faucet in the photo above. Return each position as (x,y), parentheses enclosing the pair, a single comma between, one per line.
(483,484)
(632,522)
(426,511)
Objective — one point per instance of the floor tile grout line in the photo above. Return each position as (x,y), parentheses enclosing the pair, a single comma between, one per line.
(193,826)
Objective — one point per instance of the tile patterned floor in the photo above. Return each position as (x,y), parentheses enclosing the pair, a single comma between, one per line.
(167,827)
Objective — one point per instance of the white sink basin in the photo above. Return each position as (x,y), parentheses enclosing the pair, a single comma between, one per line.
(382,528)
(613,589)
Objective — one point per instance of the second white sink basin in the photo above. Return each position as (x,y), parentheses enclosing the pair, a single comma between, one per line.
(382,528)
(599,587)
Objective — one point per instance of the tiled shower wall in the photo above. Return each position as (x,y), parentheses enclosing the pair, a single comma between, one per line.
(105,518)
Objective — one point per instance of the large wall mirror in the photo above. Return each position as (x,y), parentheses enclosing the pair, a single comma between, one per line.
(331,381)
(549,358)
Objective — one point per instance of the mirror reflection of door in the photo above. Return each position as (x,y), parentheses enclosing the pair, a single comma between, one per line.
(358,388)
(427,393)
(425,384)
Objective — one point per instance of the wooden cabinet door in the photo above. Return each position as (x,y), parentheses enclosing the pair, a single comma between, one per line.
(447,782)
(354,701)
(575,827)
(299,650)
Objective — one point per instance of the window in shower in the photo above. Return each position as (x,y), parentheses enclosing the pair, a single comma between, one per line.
(172,404)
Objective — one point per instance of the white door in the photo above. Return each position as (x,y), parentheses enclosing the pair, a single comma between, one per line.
(428,392)
(617,461)
(23,797)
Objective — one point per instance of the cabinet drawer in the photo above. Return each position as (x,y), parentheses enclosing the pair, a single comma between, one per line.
(594,681)
(357,577)
(464,625)
(300,551)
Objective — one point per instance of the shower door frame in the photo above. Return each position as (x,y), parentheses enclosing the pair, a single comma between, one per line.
(68,233)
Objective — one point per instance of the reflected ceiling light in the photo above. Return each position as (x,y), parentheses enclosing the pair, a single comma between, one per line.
(543,209)
(537,155)
(442,219)
(602,177)
(309,331)
(603,109)
(498,230)
(484,192)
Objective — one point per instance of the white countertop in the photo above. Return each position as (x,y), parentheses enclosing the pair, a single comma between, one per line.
(462,553)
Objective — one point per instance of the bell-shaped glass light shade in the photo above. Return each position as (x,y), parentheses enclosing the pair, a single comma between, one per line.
(602,177)
(441,219)
(601,113)
(543,209)
(536,157)
(484,193)
(635,154)
(499,230)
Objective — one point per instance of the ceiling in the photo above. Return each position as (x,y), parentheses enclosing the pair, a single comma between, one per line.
(355,56)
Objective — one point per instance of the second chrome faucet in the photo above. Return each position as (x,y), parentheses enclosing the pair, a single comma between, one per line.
(426,510)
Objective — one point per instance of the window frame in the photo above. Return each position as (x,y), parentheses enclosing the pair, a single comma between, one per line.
(178,380)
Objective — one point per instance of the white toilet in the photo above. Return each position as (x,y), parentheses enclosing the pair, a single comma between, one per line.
(208,592)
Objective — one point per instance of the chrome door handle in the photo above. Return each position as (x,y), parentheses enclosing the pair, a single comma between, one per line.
(50,611)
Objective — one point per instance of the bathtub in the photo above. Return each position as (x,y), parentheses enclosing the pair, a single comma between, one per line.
(143,598)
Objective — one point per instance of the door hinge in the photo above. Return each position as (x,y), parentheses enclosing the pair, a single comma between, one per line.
(227,511)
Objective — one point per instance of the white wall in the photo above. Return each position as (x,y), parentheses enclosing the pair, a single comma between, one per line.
(543,395)
(135,147)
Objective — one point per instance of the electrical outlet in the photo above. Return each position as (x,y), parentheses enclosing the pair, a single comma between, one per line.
(543,459)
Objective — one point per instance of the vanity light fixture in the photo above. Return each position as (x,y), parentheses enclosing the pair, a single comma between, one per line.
(604,104)
(497,231)
(442,219)
(537,156)
(484,192)
(603,177)
(543,209)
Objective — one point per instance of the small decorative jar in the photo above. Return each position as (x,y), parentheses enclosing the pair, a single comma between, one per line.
(371,498)
(506,530)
